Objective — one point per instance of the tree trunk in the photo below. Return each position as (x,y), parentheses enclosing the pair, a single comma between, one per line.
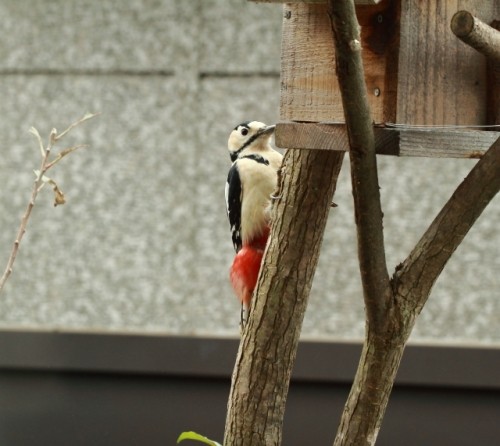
(391,305)
(269,341)
(369,396)
(412,283)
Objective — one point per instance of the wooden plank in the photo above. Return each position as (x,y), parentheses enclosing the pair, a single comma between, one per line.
(357,2)
(445,143)
(440,79)
(325,136)
(493,71)
(311,136)
(417,71)
(420,142)
(309,87)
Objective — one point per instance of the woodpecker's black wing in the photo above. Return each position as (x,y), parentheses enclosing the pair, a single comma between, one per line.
(233,204)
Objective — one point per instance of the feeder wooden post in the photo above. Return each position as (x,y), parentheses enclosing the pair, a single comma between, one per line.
(428,92)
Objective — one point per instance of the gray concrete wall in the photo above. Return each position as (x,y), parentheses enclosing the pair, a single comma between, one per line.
(143,243)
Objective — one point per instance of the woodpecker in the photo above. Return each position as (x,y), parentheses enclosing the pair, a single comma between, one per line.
(251,181)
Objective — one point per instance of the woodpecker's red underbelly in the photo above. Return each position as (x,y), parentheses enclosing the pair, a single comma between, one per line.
(245,268)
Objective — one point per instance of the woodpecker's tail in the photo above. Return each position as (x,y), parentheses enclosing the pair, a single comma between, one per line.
(244,272)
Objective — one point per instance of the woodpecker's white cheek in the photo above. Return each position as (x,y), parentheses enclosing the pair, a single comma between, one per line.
(234,141)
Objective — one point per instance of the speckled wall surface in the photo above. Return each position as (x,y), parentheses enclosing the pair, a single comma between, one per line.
(143,243)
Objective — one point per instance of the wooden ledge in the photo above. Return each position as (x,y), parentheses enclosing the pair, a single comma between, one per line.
(397,141)
(357,2)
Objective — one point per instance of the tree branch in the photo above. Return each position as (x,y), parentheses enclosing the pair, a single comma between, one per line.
(475,33)
(368,212)
(418,273)
(391,305)
(269,342)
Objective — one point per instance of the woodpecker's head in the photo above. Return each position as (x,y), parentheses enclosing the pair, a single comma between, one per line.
(248,134)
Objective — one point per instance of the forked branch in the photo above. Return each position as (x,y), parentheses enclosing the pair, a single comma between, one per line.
(392,306)
(40,180)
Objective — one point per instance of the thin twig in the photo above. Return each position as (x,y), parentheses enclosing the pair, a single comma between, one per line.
(40,180)
(64,153)
(24,222)
(86,117)
(34,131)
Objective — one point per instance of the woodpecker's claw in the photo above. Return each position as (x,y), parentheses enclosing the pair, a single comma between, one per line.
(275,197)
(243,317)
(333,205)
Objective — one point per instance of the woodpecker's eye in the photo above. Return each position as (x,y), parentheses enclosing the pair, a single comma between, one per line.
(244,131)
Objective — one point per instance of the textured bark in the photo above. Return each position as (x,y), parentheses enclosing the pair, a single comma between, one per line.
(391,305)
(268,347)
(364,177)
(269,341)
(370,392)
(383,347)
(414,278)
(477,34)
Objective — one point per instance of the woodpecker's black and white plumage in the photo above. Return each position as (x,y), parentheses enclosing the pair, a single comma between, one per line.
(250,183)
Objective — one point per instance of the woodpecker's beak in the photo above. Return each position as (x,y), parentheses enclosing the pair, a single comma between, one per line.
(267,130)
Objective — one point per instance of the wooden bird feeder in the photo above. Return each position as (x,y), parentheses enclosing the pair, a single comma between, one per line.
(430,94)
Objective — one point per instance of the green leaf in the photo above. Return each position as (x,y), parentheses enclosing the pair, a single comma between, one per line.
(197,437)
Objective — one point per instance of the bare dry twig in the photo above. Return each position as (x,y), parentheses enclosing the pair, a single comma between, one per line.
(40,180)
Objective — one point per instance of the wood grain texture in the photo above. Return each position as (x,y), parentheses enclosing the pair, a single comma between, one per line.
(416,70)
(312,136)
(269,341)
(357,2)
(441,80)
(433,143)
(309,87)
(493,72)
